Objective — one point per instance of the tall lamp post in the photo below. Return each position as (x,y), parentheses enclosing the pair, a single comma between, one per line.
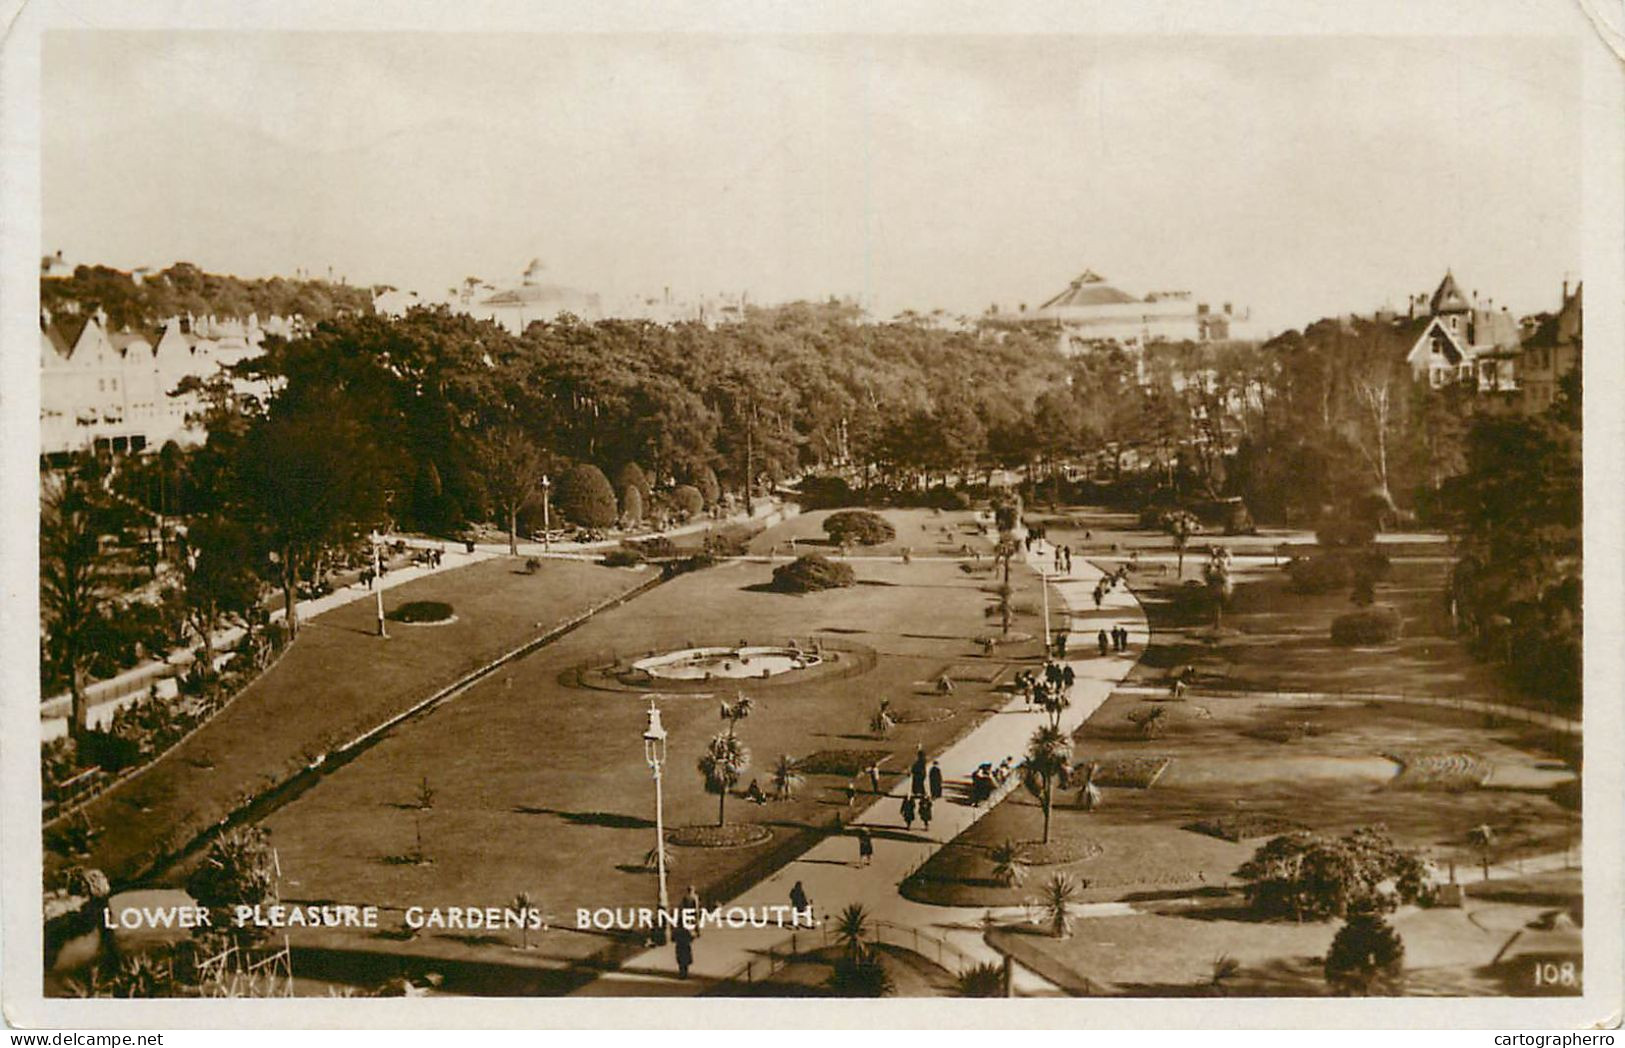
(654,752)
(378,581)
(547,516)
(1044,585)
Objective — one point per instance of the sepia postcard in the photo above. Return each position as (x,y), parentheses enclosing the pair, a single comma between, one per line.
(709,515)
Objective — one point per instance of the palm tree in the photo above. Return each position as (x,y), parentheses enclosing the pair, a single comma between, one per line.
(1049,757)
(1054,701)
(787,778)
(725,760)
(737,710)
(1055,902)
(522,903)
(1009,862)
(851,929)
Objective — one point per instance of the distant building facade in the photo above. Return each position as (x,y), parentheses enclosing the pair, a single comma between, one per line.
(1091,312)
(1458,341)
(514,308)
(111,390)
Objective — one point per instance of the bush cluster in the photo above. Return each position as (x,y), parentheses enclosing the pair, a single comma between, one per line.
(1322,573)
(810,573)
(624,557)
(1378,624)
(859,526)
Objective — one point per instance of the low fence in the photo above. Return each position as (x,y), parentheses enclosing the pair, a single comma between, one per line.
(876,933)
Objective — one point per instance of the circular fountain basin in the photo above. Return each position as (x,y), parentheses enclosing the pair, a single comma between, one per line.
(725,663)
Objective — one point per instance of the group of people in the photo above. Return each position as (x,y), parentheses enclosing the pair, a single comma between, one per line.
(1116,641)
(988,777)
(1063,560)
(925,788)
(1110,582)
(1056,678)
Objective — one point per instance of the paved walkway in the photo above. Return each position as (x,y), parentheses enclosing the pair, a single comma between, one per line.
(829,872)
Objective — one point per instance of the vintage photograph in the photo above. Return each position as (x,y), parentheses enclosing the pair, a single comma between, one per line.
(784,514)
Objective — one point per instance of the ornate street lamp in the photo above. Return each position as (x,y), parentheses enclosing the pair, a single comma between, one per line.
(378,581)
(654,752)
(547,523)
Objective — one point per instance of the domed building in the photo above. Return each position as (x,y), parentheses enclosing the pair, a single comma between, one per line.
(532,300)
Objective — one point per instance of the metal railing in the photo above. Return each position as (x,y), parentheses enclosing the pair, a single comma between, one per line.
(797,944)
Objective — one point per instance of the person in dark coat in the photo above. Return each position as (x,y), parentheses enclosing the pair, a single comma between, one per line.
(684,940)
(1103,642)
(917,773)
(925,812)
(935,778)
(874,777)
(798,897)
(908,812)
(866,847)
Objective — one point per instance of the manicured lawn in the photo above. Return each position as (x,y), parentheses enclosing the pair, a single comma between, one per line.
(1448,952)
(334,682)
(541,786)
(1229,757)
(925,532)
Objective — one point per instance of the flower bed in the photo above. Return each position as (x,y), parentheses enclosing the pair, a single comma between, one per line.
(421,611)
(839,762)
(1129,772)
(1241,826)
(731,835)
(1059,852)
(1450,771)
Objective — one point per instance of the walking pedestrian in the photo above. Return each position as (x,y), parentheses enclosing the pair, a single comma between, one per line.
(1057,560)
(874,777)
(1103,642)
(925,812)
(917,772)
(683,938)
(851,792)
(866,846)
(690,904)
(1069,676)
(798,897)
(936,777)
(1099,593)
(908,812)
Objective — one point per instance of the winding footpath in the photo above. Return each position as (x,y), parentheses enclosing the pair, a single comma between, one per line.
(829,872)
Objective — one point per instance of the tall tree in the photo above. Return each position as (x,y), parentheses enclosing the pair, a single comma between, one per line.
(76,578)
(218,582)
(513,466)
(1049,756)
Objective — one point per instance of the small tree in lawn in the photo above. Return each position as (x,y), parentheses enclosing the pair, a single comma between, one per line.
(787,778)
(422,802)
(722,765)
(1367,957)
(1009,862)
(1049,756)
(522,904)
(1055,901)
(1181,525)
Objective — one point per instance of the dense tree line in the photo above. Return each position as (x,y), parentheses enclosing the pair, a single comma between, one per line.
(184,288)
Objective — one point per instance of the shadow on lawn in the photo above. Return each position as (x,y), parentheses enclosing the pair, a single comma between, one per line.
(605,819)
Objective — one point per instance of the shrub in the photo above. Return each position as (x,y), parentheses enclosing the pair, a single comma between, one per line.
(622,558)
(944,498)
(728,542)
(859,526)
(1378,624)
(532,565)
(862,976)
(631,475)
(1319,574)
(826,493)
(657,546)
(688,500)
(422,611)
(108,751)
(705,479)
(1366,957)
(810,573)
(1335,534)
(585,497)
(980,980)
(631,505)
(1306,877)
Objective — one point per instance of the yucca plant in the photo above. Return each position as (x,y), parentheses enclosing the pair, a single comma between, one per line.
(721,766)
(1009,862)
(851,929)
(1055,901)
(980,980)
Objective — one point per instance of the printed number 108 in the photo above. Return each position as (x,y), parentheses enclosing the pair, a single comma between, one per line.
(1550,973)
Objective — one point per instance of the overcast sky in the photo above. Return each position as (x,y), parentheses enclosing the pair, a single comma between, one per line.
(1300,176)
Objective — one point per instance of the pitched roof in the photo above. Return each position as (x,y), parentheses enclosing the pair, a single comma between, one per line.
(1090,289)
(1448,298)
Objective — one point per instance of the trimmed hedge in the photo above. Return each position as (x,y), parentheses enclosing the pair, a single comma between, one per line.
(810,573)
(687,499)
(860,526)
(1378,624)
(585,497)
(622,558)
